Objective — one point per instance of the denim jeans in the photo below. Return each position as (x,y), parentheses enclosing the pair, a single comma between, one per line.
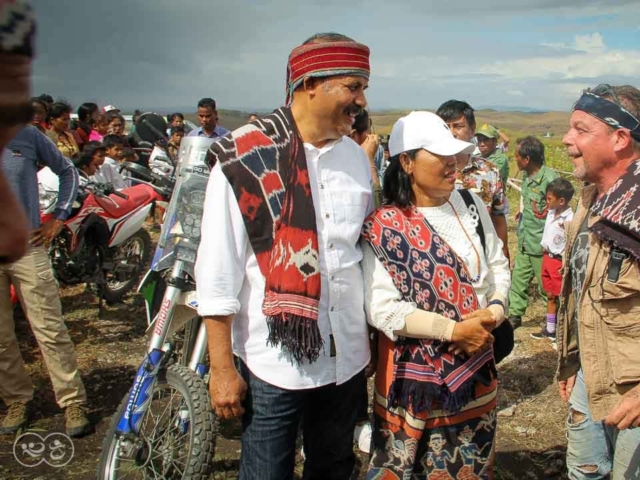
(596,450)
(270,427)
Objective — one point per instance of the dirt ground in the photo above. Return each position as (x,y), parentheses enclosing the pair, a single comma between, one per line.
(531,441)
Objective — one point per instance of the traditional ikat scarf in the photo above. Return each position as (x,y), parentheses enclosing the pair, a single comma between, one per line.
(619,210)
(425,270)
(265,164)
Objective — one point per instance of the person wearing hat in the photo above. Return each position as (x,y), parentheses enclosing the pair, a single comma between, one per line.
(532,217)
(278,268)
(110,108)
(487,137)
(436,286)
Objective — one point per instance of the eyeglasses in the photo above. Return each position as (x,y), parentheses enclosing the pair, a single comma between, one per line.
(605,90)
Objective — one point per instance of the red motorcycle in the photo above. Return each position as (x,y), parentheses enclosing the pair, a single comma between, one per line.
(103,242)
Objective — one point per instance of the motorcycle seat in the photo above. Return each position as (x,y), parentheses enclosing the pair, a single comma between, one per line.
(117,207)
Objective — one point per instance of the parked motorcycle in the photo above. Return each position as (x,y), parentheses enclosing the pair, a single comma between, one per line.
(164,427)
(103,242)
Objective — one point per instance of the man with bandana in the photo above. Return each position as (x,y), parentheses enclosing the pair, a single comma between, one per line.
(599,322)
(278,270)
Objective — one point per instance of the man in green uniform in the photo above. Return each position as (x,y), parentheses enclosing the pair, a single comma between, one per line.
(487,137)
(531,219)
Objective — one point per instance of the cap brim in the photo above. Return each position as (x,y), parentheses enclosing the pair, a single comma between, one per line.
(451,146)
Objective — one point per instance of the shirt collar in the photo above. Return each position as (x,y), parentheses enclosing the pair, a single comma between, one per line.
(473,163)
(324,149)
(539,175)
(565,213)
(215,133)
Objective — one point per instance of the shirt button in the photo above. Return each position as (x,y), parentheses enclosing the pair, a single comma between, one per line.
(331,245)
(322,186)
(333,308)
(333,277)
(327,215)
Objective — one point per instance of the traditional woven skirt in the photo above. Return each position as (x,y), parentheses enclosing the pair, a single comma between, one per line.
(434,446)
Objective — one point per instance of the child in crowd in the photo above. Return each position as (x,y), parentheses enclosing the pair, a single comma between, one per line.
(90,160)
(100,129)
(109,171)
(177,134)
(128,155)
(559,193)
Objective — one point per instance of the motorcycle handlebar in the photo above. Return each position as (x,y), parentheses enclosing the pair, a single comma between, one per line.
(120,194)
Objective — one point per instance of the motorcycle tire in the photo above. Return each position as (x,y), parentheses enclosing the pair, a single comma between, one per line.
(203,429)
(114,294)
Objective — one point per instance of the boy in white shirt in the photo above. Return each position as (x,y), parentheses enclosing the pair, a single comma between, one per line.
(109,171)
(559,193)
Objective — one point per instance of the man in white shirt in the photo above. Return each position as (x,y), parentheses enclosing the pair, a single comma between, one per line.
(279,270)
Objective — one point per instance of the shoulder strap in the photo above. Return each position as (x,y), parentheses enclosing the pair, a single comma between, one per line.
(468,201)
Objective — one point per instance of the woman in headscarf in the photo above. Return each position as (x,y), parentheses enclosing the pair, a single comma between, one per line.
(59,118)
(436,285)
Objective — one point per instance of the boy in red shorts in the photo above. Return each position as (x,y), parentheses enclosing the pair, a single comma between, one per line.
(559,194)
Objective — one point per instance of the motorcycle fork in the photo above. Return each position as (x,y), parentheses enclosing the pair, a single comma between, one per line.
(196,362)
(142,390)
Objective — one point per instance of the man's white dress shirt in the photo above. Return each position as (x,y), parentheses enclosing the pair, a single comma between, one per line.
(229,281)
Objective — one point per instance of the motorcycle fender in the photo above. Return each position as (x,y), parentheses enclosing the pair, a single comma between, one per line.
(130,226)
(181,315)
(149,276)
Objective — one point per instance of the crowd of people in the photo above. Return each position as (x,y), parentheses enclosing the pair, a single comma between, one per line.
(328,256)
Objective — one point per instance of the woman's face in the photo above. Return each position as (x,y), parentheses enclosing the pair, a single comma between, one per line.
(432,176)
(61,124)
(116,126)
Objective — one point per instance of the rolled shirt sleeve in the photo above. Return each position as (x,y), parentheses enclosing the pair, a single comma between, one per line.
(220,266)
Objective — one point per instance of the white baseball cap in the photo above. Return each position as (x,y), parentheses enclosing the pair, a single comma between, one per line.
(109,108)
(428,131)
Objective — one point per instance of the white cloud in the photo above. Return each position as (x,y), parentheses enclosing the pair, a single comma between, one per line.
(593,42)
(590,43)
(589,58)
(516,93)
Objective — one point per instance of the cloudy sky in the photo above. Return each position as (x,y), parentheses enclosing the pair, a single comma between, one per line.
(164,54)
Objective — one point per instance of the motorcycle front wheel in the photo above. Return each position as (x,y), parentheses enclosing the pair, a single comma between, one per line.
(133,255)
(177,434)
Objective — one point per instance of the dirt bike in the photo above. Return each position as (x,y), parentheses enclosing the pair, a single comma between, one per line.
(102,242)
(164,427)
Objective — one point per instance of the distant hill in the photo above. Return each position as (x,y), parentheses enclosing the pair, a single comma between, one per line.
(531,123)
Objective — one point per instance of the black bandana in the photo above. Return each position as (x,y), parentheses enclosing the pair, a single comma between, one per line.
(608,112)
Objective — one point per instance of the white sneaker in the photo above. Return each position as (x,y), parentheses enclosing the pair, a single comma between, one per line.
(362,436)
